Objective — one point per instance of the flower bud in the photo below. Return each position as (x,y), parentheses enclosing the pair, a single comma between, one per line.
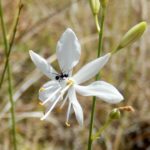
(95,6)
(115,114)
(104,3)
(132,35)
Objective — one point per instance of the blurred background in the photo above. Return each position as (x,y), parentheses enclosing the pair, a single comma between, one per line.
(40,27)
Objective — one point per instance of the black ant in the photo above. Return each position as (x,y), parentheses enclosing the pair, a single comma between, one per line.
(61,76)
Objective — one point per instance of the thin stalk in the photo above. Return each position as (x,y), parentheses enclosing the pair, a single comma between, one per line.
(98,134)
(12,109)
(97,23)
(3,28)
(9,79)
(16,21)
(97,77)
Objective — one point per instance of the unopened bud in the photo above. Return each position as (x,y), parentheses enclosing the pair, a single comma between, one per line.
(132,35)
(95,6)
(115,114)
(104,3)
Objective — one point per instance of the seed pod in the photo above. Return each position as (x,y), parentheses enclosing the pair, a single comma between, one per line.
(95,6)
(132,35)
(104,3)
(115,114)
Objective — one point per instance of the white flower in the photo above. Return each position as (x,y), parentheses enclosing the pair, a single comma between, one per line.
(63,86)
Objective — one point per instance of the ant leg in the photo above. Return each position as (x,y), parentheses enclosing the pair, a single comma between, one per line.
(55,73)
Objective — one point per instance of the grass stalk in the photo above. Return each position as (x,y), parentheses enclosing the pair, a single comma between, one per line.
(16,21)
(8,48)
(99,51)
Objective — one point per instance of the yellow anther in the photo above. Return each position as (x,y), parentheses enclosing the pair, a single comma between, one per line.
(69,82)
(40,103)
(67,124)
(59,109)
(41,89)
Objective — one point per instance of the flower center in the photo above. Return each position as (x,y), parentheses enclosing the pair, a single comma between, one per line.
(62,89)
(69,83)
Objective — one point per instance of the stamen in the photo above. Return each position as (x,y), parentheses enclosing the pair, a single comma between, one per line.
(51,108)
(67,124)
(40,103)
(51,96)
(68,114)
(41,89)
(67,87)
(64,102)
(69,81)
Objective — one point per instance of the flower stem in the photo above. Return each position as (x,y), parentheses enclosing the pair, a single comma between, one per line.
(11,41)
(10,89)
(97,23)
(97,77)
(101,33)
(98,134)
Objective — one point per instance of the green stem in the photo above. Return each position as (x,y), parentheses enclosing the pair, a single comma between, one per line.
(11,41)
(98,134)
(3,28)
(101,33)
(97,77)
(9,79)
(12,109)
(97,23)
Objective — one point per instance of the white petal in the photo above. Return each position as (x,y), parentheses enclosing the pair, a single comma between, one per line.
(52,96)
(102,90)
(68,51)
(91,69)
(47,90)
(43,65)
(76,106)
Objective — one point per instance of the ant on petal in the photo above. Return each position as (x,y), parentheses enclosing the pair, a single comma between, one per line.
(61,76)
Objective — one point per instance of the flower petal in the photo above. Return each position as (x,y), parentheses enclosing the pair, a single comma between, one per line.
(47,90)
(43,65)
(76,106)
(102,90)
(91,69)
(68,51)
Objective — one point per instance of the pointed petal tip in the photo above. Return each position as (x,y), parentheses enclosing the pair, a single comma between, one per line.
(109,54)
(70,32)
(121,98)
(118,99)
(69,29)
(33,55)
(31,52)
